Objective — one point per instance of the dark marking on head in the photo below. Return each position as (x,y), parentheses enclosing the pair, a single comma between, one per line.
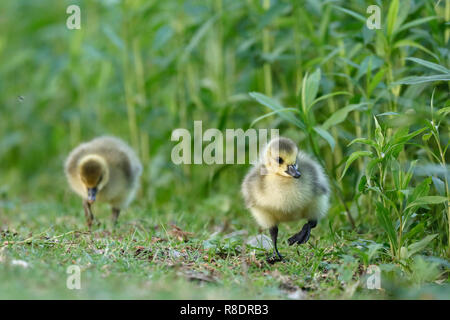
(91,172)
(285,145)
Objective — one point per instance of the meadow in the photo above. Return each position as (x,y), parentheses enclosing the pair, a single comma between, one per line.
(371,105)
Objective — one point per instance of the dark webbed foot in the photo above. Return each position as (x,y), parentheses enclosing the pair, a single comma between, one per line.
(276,256)
(115,215)
(88,214)
(303,235)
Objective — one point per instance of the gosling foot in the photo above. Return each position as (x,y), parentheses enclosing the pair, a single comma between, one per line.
(274,258)
(303,235)
(115,216)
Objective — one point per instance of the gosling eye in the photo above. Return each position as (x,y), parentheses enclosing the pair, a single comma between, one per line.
(280,160)
(100,179)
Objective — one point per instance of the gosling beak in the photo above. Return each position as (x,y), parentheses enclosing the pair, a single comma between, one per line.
(293,171)
(92,193)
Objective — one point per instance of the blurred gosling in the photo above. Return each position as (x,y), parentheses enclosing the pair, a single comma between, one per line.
(105,169)
(286,185)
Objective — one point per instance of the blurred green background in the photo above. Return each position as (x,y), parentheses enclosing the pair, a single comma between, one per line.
(140,69)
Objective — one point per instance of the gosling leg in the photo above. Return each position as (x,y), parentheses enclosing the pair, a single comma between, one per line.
(303,235)
(276,256)
(115,215)
(88,214)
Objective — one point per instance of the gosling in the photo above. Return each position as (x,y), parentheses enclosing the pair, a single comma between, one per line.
(104,169)
(286,185)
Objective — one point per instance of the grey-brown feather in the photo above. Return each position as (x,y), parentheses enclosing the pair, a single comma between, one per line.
(123,164)
(307,168)
(286,145)
(113,149)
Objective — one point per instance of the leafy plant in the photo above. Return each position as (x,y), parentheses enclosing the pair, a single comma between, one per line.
(397,202)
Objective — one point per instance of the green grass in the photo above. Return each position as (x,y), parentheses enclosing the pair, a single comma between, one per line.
(372,106)
(144,258)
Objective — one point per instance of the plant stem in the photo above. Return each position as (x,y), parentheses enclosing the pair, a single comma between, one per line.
(266,49)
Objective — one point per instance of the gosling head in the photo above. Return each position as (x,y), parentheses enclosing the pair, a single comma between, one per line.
(281,158)
(94,174)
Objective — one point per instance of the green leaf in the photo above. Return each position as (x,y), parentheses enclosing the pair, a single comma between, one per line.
(415,23)
(271,114)
(401,138)
(419,228)
(328,137)
(197,37)
(427,136)
(375,81)
(275,106)
(362,184)
(379,138)
(421,190)
(444,111)
(419,245)
(274,11)
(427,200)
(329,95)
(381,44)
(386,222)
(352,13)
(410,43)
(371,166)
(389,113)
(310,89)
(392,17)
(409,175)
(353,157)
(365,141)
(430,65)
(423,79)
(340,115)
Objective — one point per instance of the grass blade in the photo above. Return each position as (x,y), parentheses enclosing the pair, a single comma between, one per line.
(392,17)
(328,137)
(275,106)
(430,65)
(271,114)
(310,89)
(422,79)
(427,200)
(354,14)
(352,158)
(415,23)
(340,115)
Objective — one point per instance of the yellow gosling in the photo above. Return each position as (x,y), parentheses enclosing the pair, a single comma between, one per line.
(286,185)
(105,169)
